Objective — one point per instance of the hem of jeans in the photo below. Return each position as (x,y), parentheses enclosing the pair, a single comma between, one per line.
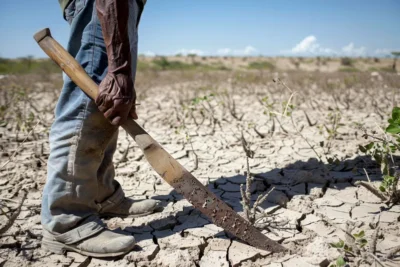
(116,198)
(80,233)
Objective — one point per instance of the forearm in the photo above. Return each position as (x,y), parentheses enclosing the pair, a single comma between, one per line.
(113,16)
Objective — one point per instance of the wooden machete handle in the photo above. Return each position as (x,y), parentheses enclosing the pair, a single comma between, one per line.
(160,160)
(66,62)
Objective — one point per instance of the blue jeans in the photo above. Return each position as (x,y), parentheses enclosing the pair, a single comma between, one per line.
(80,177)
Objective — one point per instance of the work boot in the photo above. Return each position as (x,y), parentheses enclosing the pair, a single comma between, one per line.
(105,243)
(131,208)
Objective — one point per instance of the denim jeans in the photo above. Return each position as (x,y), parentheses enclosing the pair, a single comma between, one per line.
(80,178)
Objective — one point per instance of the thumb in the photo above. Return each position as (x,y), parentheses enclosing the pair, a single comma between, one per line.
(133,112)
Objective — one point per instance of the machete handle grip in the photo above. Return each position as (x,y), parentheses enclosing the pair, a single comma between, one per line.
(66,62)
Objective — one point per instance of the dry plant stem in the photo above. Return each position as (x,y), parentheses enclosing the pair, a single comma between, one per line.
(245,203)
(305,139)
(366,174)
(372,189)
(395,196)
(18,149)
(374,241)
(14,216)
(249,180)
(288,103)
(377,259)
(4,213)
(259,133)
(309,121)
(392,252)
(259,201)
(196,158)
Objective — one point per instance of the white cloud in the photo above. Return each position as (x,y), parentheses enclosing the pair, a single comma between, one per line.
(351,50)
(149,53)
(382,51)
(385,51)
(224,51)
(307,45)
(310,45)
(248,50)
(190,51)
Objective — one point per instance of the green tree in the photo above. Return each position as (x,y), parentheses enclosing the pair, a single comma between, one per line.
(395,54)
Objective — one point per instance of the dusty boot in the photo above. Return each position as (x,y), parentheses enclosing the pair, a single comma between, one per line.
(131,208)
(105,243)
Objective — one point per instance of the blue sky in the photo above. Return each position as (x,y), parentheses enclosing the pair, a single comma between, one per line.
(228,27)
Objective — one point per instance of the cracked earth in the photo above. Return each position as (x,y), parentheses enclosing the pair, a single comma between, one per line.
(311,206)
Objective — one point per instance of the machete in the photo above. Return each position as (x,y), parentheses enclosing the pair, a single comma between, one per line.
(161,161)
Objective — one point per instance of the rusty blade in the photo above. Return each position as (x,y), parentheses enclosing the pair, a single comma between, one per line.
(196,193)
(222,215)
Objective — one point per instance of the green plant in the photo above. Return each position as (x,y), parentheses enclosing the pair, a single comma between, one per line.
(356,242)
(340,262)
(269,107)
(382,150)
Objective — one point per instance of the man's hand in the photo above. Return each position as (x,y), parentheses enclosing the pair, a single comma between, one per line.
(117,97)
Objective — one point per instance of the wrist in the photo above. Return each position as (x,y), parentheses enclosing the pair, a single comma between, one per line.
(119,67)
(119,59)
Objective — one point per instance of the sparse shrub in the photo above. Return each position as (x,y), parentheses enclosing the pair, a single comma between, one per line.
(382,149)
(27,65)
(395,54)
(164,64)
(348,69)
(346,61)
(261,65)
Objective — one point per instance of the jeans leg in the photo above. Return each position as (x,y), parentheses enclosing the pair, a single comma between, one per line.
(80,135)
(82,141)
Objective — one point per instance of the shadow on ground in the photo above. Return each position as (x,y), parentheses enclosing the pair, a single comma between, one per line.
(300,178)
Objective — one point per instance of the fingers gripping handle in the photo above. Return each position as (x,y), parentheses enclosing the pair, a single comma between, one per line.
(66,62)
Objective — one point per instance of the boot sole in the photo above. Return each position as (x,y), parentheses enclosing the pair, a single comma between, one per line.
(60,248)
